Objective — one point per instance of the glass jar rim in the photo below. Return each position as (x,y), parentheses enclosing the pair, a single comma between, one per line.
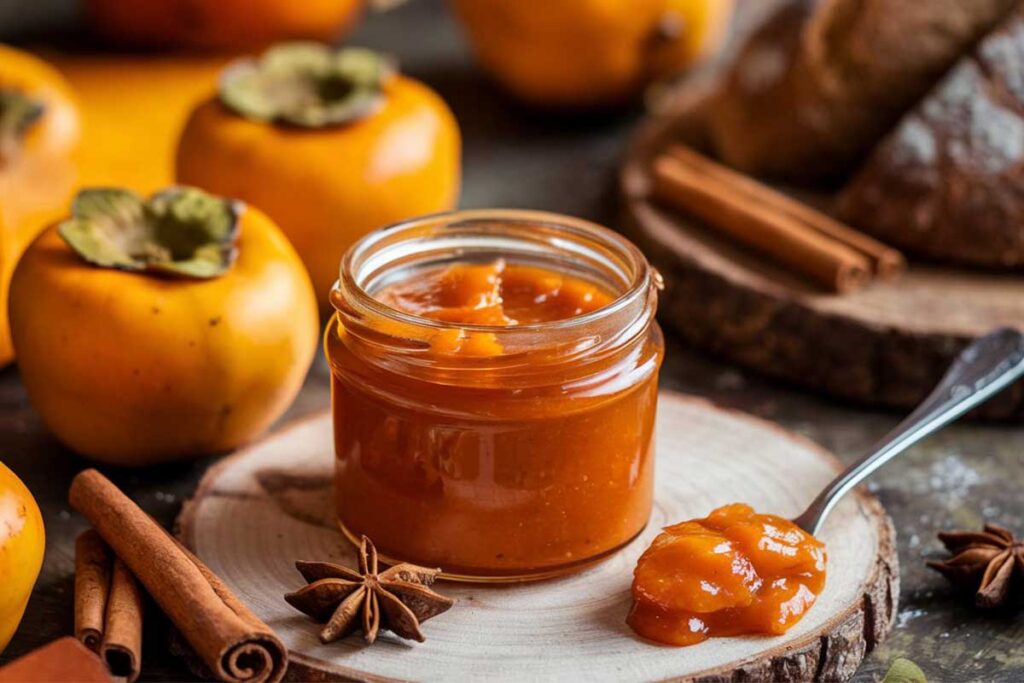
(644,276)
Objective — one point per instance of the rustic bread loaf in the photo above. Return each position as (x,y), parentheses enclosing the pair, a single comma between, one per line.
(820,83)
(948,182)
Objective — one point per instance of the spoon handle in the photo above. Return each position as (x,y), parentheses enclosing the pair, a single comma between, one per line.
(982,370)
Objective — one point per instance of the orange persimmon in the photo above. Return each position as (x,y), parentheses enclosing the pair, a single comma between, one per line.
(580,53)
(351,147)
(22,543)
(150,331)
(220,24)
(133,107)
(39,132)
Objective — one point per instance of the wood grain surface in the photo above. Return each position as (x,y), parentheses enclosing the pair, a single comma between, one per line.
(258,511)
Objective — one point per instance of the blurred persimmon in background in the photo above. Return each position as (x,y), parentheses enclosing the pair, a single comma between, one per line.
(581,53)
(133,107)
(39,135)
(219,24)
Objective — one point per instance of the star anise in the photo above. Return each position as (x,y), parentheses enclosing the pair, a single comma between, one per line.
(987,561)
(396,599)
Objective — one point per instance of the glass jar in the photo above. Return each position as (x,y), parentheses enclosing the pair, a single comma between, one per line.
(524,464)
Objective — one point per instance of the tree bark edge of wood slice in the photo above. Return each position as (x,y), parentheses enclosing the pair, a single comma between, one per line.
(887,345)
(247,518)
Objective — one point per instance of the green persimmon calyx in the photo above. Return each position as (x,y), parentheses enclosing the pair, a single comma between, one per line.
(178,232)
(308,85)
(18,112)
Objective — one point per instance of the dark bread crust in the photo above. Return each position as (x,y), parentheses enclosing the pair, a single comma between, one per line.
(948,182)
(818,85)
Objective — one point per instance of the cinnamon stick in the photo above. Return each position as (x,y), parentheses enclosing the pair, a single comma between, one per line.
(121,648)
(828,262)
(93,563)
(232,641)
(108,607)
(887,262)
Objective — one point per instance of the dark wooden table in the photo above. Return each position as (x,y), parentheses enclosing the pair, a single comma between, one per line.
(519,158)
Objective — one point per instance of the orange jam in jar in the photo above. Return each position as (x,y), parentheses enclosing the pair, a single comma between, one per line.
(494,385)
(734,572)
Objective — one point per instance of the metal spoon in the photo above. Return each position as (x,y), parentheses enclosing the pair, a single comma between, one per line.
(981,371)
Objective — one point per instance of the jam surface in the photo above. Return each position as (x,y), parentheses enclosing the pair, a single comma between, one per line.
(734,572)
(494,293)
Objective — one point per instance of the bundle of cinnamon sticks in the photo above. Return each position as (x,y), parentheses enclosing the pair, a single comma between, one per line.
(126,545)
(108,607)
(807,241)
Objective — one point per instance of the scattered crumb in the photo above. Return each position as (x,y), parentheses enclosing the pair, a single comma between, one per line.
(948,475)
(906,616)
(952,476)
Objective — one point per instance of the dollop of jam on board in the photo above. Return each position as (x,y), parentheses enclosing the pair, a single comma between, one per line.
(734,572)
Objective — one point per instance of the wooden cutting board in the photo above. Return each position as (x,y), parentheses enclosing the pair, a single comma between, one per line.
(258,511)
(886,345)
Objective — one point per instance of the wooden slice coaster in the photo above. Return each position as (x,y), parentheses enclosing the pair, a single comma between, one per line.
(886,345)
(258,511)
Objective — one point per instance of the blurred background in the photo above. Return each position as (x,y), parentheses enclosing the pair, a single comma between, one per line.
(514,155)
(24,18)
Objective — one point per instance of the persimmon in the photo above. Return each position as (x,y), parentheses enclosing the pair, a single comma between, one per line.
(161,329)
(583,53)
(220,24)
(39,133)
(22,543)
(133,107)
(330,143)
